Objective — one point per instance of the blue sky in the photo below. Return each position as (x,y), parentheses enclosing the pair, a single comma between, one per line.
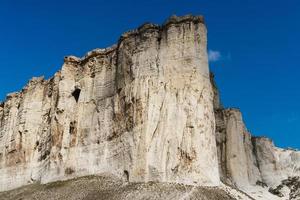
(254,48)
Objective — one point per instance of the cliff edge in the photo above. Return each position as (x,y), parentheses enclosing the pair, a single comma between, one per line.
(141,109)
(144,110)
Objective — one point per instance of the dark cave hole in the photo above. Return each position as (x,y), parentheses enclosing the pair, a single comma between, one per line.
(76,94)
(72,128)
(126,174)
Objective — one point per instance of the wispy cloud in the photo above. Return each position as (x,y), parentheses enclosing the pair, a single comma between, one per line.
(214,56)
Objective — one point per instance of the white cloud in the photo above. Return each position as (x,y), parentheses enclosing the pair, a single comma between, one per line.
(214,56)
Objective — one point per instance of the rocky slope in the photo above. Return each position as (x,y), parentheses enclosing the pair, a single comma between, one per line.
(144,110)
(112,188)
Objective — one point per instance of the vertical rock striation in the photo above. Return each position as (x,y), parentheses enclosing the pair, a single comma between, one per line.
(237,160)
(246,161)
(146,109)
(142,109)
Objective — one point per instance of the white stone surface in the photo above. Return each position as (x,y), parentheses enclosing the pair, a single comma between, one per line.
(144,112)
(146,109)
(252,164)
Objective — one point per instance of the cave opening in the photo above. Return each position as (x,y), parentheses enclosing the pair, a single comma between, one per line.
(126,174)
(76,94)
(72,127)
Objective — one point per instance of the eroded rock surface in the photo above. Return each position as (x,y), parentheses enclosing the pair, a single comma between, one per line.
(252,164)
(288,188)
(145,110)
(142,109)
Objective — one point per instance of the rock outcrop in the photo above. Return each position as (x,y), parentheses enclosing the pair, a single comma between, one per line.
(246,161)
(146,109)
(141,109)
(237,161)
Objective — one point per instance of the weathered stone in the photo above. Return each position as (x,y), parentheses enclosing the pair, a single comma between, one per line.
(246,161)
(237,162)
(143,107)
(144,110)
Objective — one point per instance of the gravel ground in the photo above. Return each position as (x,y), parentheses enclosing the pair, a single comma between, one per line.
(106,187)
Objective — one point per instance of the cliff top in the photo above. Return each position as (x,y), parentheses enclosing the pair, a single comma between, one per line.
(144,27)
(104,51)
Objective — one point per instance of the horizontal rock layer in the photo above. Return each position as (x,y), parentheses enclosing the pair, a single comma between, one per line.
(141,110)
(146,109)
(246,161)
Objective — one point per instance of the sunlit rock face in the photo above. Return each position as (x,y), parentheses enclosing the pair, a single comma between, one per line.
(245,160)
(253,164)
(142,110)
(237,161)
(276,164)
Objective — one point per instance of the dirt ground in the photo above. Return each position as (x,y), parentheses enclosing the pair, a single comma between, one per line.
(111,188)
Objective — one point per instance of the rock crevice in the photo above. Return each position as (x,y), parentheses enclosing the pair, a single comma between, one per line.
(143,106)
(146,109)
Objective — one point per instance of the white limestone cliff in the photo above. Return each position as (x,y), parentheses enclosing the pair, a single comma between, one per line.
(146,109)
(141,109)
(252,164)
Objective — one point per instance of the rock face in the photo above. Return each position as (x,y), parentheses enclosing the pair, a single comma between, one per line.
(246,161)
(146,109)
(237,161)
(141,109)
